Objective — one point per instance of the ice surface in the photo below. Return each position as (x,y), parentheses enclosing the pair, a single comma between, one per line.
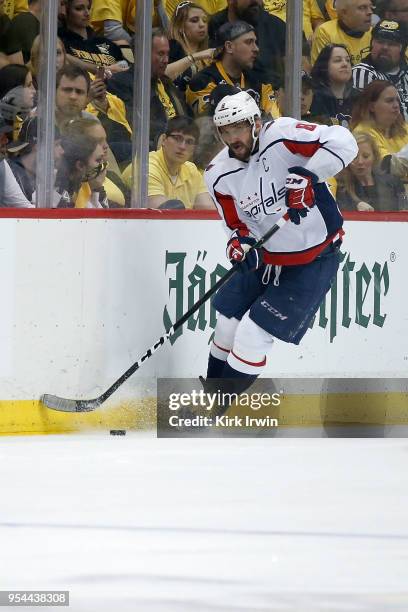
(216,525)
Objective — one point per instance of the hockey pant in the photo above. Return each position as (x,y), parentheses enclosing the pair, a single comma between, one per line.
(271,302)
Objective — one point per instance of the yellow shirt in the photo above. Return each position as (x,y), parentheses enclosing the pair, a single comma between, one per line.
(116,10)
(316,13)
(113,194)
(330,32)
(278,8)
(386,146)
(186,187)
(165,100)
(116,109)
(210,6)
(14,7)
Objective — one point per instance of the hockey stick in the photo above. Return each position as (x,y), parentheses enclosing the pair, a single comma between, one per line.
(73,405)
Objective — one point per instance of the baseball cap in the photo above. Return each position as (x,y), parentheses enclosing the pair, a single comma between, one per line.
(26,138)
(231,31)
(390,30)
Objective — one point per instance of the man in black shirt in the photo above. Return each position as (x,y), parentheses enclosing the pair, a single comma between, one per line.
(270,33)
(165,99)
(237,53)
(386,61)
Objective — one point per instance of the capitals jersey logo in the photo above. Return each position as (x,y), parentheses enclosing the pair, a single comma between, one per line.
(261,203)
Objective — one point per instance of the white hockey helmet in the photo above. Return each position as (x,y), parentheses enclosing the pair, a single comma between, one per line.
(238,107)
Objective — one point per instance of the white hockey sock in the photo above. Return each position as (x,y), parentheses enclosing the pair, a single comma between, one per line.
(223,337)
(251,345)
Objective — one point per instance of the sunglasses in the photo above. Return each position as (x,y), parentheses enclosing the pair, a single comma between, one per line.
(181,6)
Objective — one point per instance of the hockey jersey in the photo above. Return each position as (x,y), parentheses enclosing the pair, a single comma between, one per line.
(250,196)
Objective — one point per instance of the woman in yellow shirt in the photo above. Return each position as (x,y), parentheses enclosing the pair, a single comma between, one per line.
(378,112)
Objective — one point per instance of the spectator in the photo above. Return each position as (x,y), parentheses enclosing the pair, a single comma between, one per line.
(377,112)
(334,94)
(237,52)
(24,28)
(165,102)
(352,29)
(189,50)
(73,86)
(270,34)
(362,186)
(35,58)
(174,181)
(23,157)
(81,174)
(17,95)
(386,61)
(85,48)
(16,79)
(116,191)
(74,90)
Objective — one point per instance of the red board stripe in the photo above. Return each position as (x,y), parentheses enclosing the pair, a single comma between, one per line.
(171,215)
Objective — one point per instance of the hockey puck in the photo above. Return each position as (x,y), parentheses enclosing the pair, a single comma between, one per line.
(118,432)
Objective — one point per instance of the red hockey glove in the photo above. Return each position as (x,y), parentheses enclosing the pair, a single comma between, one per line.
(237,252)
(300,195)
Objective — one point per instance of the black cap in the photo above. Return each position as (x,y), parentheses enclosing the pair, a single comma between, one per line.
(231,31)
(390,30)
(26,138)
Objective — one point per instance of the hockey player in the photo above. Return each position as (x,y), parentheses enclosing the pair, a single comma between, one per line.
(263,173)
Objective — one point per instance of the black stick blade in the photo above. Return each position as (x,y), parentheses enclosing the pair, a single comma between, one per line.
(68,405)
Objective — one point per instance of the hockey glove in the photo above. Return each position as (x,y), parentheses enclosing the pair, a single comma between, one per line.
(237,252)
(300,195)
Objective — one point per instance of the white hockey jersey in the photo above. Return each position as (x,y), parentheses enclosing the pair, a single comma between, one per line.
(250,196)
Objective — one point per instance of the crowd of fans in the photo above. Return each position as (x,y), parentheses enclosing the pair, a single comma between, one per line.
(355,74)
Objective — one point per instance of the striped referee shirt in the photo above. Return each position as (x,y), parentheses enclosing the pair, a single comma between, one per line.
(365,72)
